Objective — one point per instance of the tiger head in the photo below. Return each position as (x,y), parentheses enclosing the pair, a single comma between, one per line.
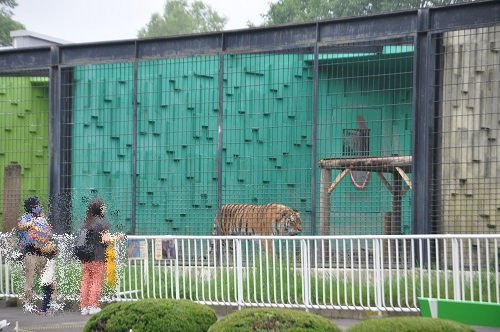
(290,222)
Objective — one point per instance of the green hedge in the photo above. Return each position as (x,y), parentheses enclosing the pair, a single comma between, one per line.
(153,315)
(276,320)
(409,324)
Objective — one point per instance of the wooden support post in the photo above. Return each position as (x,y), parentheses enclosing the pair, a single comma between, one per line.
(325,202)
(385,182)
(11,196)
(397,194)
(404,176)
(338,179)
(388,230)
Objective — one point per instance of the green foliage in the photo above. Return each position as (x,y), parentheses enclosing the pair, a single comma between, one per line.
(6,6)
(273,320)
(296,11)
(153,315)
(409,324)
(7,24)
(180,18)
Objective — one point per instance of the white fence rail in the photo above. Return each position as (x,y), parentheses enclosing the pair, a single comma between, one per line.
(375,273)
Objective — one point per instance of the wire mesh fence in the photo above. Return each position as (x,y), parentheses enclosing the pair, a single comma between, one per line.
(311,138)
(365,117)
(24,141)
(98,140)
(465,186)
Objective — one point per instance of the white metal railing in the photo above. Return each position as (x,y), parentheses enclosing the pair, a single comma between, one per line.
(375,273)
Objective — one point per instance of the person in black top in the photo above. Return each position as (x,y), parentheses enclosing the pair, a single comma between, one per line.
(93,268)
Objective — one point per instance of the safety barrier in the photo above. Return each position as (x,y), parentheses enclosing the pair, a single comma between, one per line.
(371,273)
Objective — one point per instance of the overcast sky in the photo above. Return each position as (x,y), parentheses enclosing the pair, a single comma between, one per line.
(98,20)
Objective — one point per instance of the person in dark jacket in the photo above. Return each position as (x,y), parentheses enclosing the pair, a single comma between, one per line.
(93,268)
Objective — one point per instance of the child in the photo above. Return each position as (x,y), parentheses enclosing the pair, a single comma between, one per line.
(48,278)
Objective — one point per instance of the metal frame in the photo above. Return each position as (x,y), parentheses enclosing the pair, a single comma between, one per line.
(421,24)
(259,39)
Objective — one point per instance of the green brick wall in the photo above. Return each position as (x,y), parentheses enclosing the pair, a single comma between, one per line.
(24,109)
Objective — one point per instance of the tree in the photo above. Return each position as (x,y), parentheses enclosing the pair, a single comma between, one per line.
(7,24)
(296,11)
(180,18)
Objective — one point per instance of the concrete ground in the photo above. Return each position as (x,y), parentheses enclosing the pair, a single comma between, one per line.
(68,321)
(73,321)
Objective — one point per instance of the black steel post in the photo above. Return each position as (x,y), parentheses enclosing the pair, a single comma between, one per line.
(133,229)
(314,136)
(423,119)
(220,137)
(55,146)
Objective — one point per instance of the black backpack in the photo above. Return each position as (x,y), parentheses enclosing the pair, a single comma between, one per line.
(84,250)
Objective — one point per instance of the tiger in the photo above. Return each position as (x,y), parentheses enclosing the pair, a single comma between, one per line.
(249,219)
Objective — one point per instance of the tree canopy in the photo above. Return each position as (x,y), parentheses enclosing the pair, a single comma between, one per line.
(7,24)
(296,11)
(180,18)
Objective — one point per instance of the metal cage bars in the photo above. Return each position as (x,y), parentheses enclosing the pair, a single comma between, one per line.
(421,24)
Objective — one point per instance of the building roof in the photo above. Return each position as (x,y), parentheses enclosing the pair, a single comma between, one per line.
(26,38)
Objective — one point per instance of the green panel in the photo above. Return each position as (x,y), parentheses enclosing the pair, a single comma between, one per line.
(177,146)
(102,141)
(24,109)
(467,312)
(267,131)
(366,92)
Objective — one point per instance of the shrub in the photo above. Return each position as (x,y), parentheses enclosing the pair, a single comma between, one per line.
(153,315)
(273,320)
(409,324)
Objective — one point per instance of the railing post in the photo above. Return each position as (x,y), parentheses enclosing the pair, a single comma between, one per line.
(377,267)
(2,267)
(305,266)
(7,281)
(455,258)
(239,273)
(177,281)
(117,280)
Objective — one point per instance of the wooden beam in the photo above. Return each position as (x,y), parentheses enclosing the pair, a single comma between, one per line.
(405,177)
(370,164)
(338,179)
(385,182)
